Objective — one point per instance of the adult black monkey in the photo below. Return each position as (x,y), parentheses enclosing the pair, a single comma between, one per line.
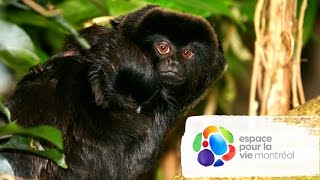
(115,102)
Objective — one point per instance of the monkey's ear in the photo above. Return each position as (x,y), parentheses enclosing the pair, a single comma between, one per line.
(116,22)
(98,85)
(128,22)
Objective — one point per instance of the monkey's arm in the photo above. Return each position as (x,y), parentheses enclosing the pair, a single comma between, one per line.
(125,85)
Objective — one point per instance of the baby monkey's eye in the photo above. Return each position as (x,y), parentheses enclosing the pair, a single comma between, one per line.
(163,48)
(187,54)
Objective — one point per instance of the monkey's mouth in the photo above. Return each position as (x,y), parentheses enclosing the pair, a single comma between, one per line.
(169,73)
(170,77)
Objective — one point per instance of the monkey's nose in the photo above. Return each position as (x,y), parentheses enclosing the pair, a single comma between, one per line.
(171,62)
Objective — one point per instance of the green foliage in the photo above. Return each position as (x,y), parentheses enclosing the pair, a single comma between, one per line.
(26,139)
(203,8)
(47,133)
(246,9)
(121,7)
(16,48)
(28,144)
(309,19)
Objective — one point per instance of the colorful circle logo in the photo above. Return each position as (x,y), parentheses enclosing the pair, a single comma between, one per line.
(214,146)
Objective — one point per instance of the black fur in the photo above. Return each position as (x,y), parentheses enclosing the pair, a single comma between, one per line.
(110,102)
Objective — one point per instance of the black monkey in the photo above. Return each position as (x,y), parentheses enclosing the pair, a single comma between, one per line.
(115,102)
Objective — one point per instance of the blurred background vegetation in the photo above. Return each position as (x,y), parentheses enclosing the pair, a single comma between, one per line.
(28,37)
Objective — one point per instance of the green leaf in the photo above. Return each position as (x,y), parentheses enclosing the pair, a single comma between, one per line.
(197,142)
(309,18)
(7,2)
(29,18)
(5,111)
(20,60)
(202,8)
(45,132)
(55,155)
(247,8)
(120,7)
(29,145)
(76,12)
(226,134)
(16,48)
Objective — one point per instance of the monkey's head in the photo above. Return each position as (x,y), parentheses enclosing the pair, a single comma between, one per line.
(185,49)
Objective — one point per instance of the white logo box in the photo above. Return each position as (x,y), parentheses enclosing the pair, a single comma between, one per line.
(282,149)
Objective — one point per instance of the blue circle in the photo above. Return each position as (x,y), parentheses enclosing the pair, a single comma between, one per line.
(206,157)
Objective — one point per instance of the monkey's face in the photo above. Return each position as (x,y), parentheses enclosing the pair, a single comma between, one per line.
(177,64)
(169,65)
(185,50)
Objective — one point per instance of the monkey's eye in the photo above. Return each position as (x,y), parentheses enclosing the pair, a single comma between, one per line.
(163,48)
(187,54)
